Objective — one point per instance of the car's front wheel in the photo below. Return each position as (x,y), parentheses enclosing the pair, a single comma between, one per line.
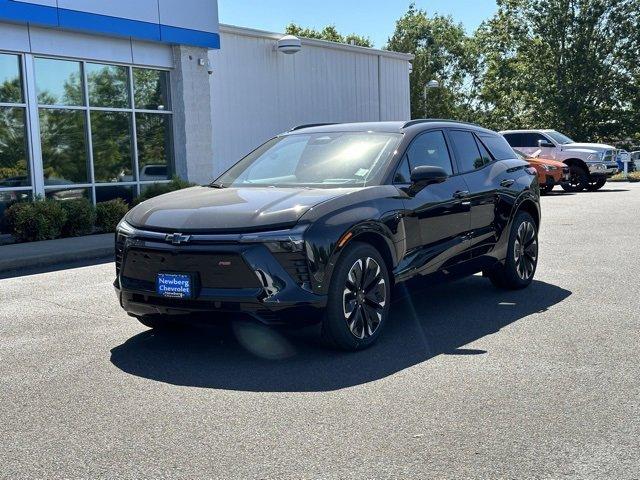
(358,300)
(596,184)
(578,179)
(519,267)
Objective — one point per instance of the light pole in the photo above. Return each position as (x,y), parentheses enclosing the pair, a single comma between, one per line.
(431,84)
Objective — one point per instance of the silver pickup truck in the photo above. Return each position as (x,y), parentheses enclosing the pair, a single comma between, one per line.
(590,164)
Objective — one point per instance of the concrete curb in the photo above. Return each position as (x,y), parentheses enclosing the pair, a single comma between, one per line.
(53,252)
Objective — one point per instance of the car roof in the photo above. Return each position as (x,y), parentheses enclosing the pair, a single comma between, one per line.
(386,127)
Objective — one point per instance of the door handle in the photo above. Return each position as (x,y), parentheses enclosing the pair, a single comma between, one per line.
(460,194)
(507,183)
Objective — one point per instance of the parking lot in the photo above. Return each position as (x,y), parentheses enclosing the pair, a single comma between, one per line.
(466,382)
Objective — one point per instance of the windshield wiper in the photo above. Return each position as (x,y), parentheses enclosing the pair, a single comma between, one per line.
(216,185)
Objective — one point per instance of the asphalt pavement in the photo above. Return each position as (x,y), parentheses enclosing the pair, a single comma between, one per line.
(466,382)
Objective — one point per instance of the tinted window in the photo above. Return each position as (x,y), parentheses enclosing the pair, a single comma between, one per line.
(430,149)
(516,139)
(484,153)
(468,155)
(403,174)
(10,79)
(498,147)
(59,82)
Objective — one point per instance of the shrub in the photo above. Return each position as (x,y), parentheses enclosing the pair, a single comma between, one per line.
(38,220)
(109,214)
(157,189)
(631,177)
(81,217)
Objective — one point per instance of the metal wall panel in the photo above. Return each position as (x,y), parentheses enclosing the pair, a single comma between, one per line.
(258,92)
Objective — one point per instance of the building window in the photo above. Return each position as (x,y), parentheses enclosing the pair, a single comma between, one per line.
(105,129)
(15,172)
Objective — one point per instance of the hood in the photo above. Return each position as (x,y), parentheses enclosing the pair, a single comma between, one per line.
(596,147)
(201,209)
(544,161)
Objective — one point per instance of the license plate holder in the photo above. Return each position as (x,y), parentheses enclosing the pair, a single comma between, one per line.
(174,285)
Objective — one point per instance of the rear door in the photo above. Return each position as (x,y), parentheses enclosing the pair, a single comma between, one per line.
(437,218)
(476,166)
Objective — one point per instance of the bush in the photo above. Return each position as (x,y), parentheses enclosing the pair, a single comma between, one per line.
(39,220)
(157,189)
(632,177)
(81,217)
(109,214)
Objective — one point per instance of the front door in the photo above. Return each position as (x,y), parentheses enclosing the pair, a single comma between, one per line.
(437,217)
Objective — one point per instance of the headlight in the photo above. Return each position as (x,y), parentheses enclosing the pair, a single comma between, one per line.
(279,241)
(124,230)
(596,157)
(549,168)
(597,166)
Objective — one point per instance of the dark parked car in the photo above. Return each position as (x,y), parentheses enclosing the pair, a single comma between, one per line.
(319,223)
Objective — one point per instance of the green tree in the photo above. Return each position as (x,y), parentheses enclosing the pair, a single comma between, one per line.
(443,52)
(329,33)
(565,64)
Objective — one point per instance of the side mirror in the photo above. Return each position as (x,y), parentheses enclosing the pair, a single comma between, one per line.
(545,144)
(424,176)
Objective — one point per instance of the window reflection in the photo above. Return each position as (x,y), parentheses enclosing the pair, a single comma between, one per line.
(14,164)
(104,194)
(66,194)
(64,152)
(10,81)
(58,82)
(154,146)
(112,152)
(151,90)
(108,85)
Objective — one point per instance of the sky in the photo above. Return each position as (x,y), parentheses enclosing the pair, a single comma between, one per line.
(373,18)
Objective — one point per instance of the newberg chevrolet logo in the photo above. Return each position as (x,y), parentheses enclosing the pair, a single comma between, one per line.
(177,238)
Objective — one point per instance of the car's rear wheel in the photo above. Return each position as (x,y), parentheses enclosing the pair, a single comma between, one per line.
(358,300)
(596,184)
(578,179)
(519,267)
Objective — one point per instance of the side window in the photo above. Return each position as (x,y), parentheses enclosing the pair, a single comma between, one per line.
(532,140)
(467,153)
(484,153)
(403,173)
(430,148)
(516,139)
(498,147)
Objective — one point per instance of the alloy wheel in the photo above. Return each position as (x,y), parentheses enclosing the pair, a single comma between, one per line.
(364,297)
(525,250)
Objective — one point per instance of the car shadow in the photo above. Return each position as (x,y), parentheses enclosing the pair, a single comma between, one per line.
(246,356)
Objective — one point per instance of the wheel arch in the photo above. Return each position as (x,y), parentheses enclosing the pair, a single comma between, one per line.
(529,206)
(571,162)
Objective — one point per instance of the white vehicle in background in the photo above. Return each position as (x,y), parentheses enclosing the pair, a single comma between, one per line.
(148,173)
(634,164)
(590,164)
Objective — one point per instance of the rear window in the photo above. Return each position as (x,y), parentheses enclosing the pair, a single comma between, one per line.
(498,147)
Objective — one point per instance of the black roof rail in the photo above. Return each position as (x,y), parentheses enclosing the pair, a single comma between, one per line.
(309,125)
(418,121)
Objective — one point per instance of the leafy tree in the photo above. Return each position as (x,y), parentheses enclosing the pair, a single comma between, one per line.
(443,52)
(329,33)
(565,64)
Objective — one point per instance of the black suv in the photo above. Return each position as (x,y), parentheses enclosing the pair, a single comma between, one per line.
(319,223)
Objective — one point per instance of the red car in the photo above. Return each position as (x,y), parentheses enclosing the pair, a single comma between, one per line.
(550,172)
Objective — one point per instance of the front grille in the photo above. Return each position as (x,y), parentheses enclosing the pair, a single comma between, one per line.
(609,156)
(296,266)
(120,239)
(211,270)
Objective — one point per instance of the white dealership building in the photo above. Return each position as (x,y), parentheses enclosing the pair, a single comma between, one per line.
(101,99)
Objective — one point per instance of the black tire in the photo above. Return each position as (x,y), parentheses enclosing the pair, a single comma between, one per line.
(544,189)
(596,184)
(358,306)
(578,179)
(519,267)
(157,322)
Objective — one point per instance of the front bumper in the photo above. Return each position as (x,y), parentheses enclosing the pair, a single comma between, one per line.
(603,169)
(273,296)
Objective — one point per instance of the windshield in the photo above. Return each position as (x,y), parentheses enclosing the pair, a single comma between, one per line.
(559,138)
(321,160)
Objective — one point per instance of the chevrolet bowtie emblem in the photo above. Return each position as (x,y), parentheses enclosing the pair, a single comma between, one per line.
(177,238)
